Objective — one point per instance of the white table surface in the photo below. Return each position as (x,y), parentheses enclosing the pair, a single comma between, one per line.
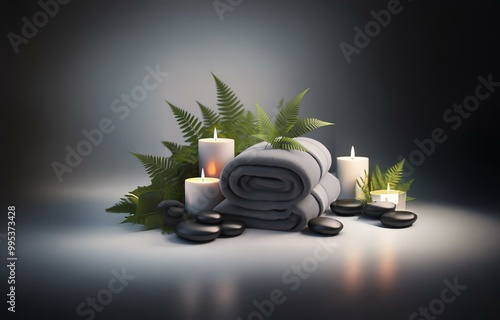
(68,248)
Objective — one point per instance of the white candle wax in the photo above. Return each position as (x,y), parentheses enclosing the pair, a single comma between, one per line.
(214,153)
(349,170)
(397,197)
(202,193)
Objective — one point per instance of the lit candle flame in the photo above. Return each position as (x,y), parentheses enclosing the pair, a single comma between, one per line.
(215,134)
(352,152)
(202,175)
(211,169)
(388,187)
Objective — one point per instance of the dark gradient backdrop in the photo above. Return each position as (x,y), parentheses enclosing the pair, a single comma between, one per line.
(65,78)
(395,90)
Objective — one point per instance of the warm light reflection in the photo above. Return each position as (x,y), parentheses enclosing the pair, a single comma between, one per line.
(386,271)
(353,277)
(211,169)
(352,152)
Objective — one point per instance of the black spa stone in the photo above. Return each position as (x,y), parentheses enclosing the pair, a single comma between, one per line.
(175,212)
(232,228)
(208,217)
(325,225)
(347,207)
(378,208)
(398,219)
(166,204)
(194,231)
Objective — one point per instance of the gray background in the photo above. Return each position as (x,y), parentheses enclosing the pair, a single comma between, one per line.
(395,91)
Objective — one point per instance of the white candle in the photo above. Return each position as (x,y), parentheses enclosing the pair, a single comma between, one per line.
(349,170)
(397,197)
(202,193)
(214,153)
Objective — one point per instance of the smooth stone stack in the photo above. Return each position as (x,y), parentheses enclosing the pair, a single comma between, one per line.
(208,226)
(198,232)
(378,208)
(347,207)
(398,219)
(325,225)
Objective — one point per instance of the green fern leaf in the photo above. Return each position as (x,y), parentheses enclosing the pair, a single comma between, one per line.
(230,107)
(364,184)
(158,168)
(210,119)
(124,206)
(188,123)
(377,180)
(288,115)
(287,143)
(173,147)
(394,174)
(303,126)
(265,127)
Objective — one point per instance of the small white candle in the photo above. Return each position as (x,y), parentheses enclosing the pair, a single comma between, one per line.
(349,170)
(214,153)
(397,197)
(202,193)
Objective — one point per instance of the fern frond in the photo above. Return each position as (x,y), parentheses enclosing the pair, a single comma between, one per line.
(124,206)
(364,184)
(287,143)
(264,125)
(305,125)
(158,168)
(188,123)
(230,107)
(288,115)
(377,180)
(172,146)
(394,174)
(210,117)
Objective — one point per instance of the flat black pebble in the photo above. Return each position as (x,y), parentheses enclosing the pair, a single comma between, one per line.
(325,225)
(208,217)
(175,212)
(378,208)
(197,232)
(232,228)
(398,219)
(347,207)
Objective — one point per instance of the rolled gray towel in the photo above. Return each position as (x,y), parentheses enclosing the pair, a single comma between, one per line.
(293,218)
(263,178)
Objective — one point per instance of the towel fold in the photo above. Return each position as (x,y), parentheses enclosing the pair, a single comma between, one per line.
(292,218)
(263,178)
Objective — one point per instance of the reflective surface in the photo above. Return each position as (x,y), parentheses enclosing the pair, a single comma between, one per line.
(365,272)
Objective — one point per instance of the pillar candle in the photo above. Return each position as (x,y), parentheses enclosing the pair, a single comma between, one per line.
(202,193)
(349,170)
(214,153)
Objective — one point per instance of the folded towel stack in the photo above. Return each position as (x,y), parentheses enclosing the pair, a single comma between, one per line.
(278,189)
